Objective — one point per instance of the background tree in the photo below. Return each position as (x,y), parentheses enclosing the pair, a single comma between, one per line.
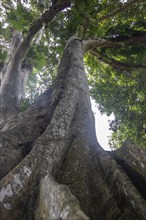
(52,166)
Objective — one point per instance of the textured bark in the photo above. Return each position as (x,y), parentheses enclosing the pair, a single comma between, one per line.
(57,169)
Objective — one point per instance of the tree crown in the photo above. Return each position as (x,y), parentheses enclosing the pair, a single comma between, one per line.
(116,66)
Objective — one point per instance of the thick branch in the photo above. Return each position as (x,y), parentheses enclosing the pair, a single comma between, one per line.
(118,10)
(135,39)
(46,17)
(113,42)
(92,44)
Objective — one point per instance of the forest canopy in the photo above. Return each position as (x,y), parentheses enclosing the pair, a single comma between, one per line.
(116,70)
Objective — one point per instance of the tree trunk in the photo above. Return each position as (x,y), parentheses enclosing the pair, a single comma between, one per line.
(13,76)
(13,80)
(52,166)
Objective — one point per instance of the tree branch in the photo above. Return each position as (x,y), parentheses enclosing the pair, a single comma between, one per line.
(135,39)
(113,42)
(37,25)
(6,6)
(118,10)
(92,44)
(118,66)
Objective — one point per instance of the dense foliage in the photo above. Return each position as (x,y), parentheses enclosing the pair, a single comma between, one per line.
(116,73)
(119,84)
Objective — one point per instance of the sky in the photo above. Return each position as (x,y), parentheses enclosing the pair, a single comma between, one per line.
(102,126)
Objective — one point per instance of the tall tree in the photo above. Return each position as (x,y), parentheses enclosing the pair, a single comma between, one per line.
(51,164)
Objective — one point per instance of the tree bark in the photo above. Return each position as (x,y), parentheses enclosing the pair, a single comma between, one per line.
(52,166)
